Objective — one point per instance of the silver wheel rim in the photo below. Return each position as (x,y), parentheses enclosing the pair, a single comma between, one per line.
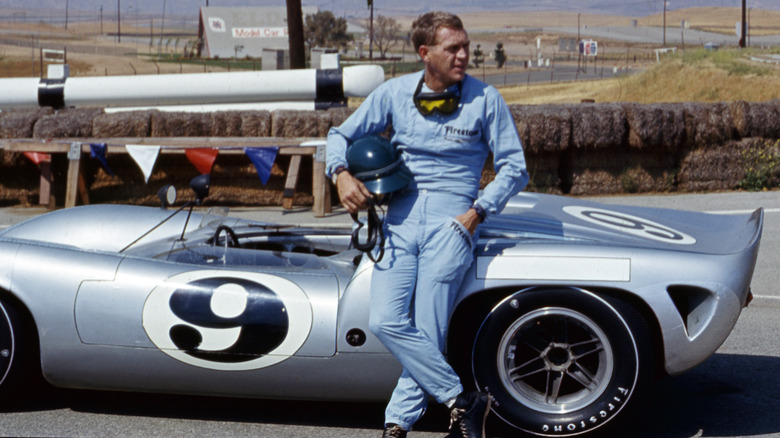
(555,360)
(6,344)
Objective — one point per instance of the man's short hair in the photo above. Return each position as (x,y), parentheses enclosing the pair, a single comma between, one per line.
(425,26)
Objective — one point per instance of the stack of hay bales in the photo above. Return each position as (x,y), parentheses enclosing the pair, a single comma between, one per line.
(579,149)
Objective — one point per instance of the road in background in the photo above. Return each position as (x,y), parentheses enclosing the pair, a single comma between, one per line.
(733,394)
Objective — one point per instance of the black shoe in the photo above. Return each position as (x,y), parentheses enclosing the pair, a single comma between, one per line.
(468,414)
(393,431)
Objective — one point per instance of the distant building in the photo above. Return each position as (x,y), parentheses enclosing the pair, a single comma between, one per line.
(227,32)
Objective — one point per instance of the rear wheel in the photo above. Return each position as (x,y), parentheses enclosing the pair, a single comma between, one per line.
(562,362)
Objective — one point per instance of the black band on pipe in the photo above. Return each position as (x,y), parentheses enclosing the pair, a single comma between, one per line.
(51,92)
(330,86)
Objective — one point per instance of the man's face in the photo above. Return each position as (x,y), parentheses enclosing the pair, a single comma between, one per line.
(446,61)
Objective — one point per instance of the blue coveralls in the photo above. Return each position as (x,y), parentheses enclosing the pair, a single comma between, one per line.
(427,250)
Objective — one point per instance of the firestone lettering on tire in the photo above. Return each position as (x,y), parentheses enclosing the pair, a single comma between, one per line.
(593,421)
(227,320)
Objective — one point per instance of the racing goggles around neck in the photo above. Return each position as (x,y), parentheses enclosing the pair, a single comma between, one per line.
(445,102)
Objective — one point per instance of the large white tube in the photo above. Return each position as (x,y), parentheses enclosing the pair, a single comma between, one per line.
(192,89)
(302,105)
(19,93)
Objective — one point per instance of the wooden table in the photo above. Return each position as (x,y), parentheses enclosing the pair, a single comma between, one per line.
(75,148)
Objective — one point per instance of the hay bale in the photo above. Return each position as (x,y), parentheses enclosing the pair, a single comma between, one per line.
(20,123)
(255,124)
(289,123)
(712,168)
(598,126)
(655,126)
(743,122)
(543,127)
(543,170)
(226,124)
(708,124)
(762,119)
(69,123)
(626,171)
(181,124)
(123,124)
(339,115)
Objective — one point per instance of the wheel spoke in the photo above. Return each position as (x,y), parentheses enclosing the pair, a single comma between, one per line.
(583,377)
(540,368)
(553,389)
(592,346)
(534,341)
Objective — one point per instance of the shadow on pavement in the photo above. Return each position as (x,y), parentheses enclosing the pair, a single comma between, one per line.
(729,395)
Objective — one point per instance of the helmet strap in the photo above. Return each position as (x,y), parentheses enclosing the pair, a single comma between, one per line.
(375,231)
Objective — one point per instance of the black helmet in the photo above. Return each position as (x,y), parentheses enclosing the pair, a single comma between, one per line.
(375,162)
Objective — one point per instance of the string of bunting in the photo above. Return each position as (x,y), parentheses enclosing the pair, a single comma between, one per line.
(145,156)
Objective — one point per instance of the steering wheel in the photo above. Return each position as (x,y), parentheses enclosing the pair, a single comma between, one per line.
(233,237)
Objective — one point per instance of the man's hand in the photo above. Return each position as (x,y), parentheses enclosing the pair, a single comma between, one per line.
(352,193)
(469,219)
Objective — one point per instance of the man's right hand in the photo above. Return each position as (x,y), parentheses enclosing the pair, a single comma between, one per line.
(352,193)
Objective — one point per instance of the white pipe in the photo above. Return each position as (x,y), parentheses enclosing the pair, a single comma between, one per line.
(209,108)
(19,93)
(192,89)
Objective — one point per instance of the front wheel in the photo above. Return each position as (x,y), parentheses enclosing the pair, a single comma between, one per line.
(17,359)
(562,362)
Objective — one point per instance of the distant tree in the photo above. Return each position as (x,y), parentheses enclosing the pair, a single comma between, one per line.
(387,32)
(322,29)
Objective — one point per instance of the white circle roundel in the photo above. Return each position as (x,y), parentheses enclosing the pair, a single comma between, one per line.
(629,224)
(228,320)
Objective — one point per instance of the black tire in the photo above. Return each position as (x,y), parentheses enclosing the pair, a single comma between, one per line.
(562,362)
(17,358)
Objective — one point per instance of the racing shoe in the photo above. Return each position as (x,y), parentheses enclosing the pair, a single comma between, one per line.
(468,414)
(393,431)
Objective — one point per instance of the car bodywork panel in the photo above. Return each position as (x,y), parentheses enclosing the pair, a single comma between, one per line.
(175,314)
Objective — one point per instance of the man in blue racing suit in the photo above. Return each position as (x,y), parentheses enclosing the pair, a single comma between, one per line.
(444,124)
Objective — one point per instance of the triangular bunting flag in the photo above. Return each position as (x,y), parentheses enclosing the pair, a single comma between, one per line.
(263,159)
(202,158)
(37,157)
(98,151)
(145,156)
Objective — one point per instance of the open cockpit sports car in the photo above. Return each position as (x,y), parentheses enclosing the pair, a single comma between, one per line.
(569,312)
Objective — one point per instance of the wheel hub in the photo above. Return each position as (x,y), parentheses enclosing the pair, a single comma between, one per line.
(557,357)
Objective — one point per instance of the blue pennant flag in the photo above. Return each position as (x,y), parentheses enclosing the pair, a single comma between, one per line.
(98,150)
(263,159)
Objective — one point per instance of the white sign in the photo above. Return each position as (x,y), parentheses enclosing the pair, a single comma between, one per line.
(260,32)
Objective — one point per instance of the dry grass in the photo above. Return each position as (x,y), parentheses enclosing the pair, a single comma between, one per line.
(700,76)
(720,20)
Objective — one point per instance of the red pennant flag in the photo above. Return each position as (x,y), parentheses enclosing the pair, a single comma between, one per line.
(37,157)
(202,158)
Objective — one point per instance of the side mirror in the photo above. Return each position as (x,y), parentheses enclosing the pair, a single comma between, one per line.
(200,185)
(167,196)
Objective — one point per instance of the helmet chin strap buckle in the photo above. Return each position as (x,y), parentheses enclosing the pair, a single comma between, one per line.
(376,234)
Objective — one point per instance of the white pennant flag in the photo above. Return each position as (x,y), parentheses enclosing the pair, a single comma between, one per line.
(145,156)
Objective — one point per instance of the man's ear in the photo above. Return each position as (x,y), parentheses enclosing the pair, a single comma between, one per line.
(423,52)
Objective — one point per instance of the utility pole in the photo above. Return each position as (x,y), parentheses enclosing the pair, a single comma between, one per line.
(118,21)
(743,37)
(66,14)
(295,34)
(664,23)
(371,30)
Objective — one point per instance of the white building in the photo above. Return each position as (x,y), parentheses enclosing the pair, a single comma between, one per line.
(227,32)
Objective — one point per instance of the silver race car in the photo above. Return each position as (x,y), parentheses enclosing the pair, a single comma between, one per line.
(569,313)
